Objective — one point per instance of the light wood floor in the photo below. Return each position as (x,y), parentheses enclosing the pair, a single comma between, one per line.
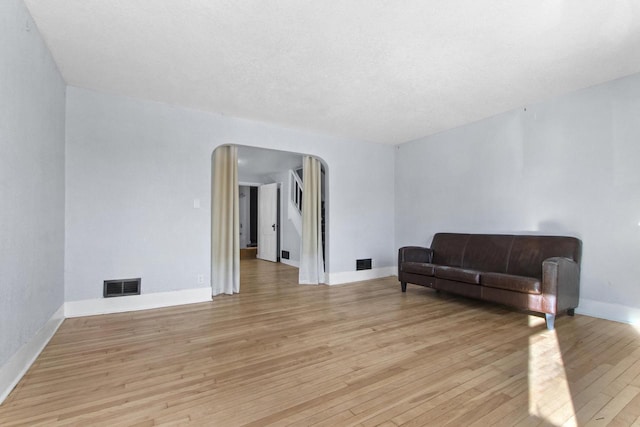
(358,354)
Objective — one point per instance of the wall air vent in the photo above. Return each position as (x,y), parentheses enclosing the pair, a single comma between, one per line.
(363,264)
(121,287)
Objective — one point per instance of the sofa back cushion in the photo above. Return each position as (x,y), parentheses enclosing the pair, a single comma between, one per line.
(502,253)
(487,252)
(528,252)
(448,248)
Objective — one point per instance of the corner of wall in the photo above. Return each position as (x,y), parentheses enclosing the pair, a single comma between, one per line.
(18,365)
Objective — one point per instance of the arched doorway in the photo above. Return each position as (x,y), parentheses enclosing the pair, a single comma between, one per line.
(261,166)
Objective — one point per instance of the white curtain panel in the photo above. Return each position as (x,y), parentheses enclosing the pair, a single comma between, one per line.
(225,222)
(311,261)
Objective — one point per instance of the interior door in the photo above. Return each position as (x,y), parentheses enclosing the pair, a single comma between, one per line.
(267,222)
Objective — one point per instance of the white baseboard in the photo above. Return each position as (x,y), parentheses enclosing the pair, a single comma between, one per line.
(18,365)
(136,302)
(290,262)
(609,311)
(357,276)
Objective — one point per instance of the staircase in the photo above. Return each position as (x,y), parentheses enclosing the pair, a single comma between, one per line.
(294,213)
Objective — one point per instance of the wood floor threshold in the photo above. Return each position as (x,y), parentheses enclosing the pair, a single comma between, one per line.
(363,354)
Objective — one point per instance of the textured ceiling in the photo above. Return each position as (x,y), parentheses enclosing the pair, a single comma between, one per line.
(377,70)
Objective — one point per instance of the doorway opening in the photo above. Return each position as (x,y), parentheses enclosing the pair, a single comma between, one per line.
(248,213)
(279,238)
(279,222)
(260,221)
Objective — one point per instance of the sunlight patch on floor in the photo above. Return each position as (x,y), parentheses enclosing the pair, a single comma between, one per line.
(549,395)
(536,321)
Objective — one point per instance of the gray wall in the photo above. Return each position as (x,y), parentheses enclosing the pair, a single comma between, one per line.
(566,166)
(134,167)
(32,98)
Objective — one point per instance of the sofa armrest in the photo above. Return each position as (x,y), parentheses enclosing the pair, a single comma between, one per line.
(560,284)
(414,254)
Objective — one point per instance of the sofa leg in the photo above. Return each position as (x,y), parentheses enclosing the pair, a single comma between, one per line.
(550,318)
(571,311)
(404,286)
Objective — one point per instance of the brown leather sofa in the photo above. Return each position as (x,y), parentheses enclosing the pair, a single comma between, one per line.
(533,273)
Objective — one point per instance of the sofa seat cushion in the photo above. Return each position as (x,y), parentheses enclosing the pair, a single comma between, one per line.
(418,268)
(510,282)
(458,274)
